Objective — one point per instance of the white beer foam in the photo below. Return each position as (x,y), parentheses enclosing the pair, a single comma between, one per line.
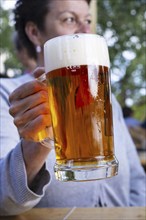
(74,50)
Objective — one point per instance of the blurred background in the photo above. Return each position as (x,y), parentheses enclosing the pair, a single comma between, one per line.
(123,24)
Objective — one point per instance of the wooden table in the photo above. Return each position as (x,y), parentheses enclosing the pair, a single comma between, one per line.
(128,213)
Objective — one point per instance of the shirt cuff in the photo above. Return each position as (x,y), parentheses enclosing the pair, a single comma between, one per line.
(18,170)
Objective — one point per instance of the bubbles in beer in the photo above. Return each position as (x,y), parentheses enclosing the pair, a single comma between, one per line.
(80,103)
(83,122)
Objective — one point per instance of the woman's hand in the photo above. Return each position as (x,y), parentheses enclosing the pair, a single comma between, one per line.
(29,107)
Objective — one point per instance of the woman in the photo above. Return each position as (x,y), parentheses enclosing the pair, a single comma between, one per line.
(26,167)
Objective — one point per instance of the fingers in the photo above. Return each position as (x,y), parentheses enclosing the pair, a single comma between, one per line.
(30,130)
(30,115)
(32,121)
(27,89)
(38,72)
(29,106)
(30,87)
(23,105)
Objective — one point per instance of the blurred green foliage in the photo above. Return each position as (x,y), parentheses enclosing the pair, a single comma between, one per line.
(6,40)
(123,23)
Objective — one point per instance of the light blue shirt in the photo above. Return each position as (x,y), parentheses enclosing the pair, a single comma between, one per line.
(125,189)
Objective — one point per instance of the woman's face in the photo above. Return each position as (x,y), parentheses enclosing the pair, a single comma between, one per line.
(66,17)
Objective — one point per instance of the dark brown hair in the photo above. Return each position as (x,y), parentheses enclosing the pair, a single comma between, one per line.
(31,10)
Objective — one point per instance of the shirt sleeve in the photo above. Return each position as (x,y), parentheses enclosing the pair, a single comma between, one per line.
(15,195)
(137,177)
(128,187)
(137,173)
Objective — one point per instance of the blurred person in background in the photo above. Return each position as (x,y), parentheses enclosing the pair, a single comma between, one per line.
(26,167)
(128,116)
(143,124)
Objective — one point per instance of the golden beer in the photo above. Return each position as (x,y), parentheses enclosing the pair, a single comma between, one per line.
(81,111)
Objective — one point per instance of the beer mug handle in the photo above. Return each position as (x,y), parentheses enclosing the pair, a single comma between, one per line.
(41,78)
(47,141)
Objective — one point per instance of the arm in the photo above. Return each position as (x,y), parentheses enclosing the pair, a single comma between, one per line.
(128,187)
(137,177)
(15,195)
(137,173)
(23,165)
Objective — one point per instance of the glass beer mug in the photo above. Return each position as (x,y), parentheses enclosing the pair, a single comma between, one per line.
(78,80)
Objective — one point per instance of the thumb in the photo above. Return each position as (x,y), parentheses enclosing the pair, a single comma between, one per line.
(39,71)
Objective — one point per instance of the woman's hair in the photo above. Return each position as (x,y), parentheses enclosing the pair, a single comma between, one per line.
(25,11)
(18,46)
(31,10)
